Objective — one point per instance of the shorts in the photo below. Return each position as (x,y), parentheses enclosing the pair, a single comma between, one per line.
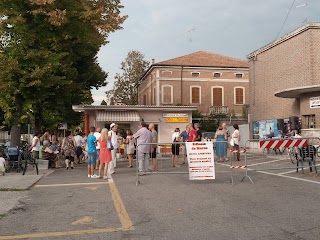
(175,149)
(35,154)
(92,158)
(98,155)
(154,153)
(2,169)
(184,149)
(79,151)
(70,158)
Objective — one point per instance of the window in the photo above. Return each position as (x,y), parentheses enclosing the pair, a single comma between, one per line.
(167,92)
(239,95)
(166,72)
(195,74)
(154,96)
(195,94)
(217,96)
(239,75)
(216,75)
(309,121)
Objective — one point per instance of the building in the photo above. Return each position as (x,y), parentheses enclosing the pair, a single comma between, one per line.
(165,118)
(212,82)
(285,83)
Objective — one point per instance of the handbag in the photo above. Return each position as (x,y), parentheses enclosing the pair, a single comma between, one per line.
(109,145)
(231,142)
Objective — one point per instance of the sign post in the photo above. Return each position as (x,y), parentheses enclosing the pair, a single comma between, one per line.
(201,160)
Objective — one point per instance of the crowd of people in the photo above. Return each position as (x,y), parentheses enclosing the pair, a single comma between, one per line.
(101,146)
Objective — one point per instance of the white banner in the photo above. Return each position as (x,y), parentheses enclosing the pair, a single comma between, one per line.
(201,160)
(315,102)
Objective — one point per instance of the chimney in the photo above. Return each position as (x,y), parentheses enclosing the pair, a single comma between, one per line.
(153,61)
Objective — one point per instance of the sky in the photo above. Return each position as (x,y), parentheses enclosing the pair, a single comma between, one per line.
(165,29)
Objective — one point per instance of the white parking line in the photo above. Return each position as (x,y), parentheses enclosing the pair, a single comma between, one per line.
(267,162)
(295,178)
(72,184)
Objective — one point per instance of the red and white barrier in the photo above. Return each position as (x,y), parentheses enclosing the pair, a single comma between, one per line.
(238,167)
(238,151)
(283,143)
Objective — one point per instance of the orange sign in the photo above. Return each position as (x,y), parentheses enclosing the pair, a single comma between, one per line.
(177,120)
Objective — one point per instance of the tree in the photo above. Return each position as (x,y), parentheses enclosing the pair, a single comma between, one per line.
(48,56)
(103,102)
(126,84)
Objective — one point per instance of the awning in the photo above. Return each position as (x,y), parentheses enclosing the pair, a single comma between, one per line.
(118,116)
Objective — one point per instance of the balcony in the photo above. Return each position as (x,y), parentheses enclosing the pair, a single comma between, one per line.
(219,110)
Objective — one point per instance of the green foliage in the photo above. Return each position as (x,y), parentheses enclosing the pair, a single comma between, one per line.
(48,56)
(126,84)
(103,102)
(196,114)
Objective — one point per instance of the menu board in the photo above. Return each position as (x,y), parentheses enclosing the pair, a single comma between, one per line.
(201,160)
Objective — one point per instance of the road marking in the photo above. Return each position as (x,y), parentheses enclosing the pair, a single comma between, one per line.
(278,160)
(59,234)
(92,188)
(83,220)
(295,178)
(126,223)
(120,208)
(71,184)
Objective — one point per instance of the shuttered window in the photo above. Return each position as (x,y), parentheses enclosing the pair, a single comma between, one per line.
(195,95)
(239,95)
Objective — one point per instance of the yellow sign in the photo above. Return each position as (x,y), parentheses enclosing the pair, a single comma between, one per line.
(176,120)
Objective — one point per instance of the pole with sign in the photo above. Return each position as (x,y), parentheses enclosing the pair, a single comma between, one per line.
(201,160)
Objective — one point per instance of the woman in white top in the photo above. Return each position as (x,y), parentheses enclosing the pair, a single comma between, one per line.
(236,139)
(130,146)
(35,147)
(175,147)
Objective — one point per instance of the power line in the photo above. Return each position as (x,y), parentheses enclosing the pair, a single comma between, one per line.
(285,20)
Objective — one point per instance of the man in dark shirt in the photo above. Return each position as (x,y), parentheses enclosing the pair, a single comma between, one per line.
(199,133)
(185,136)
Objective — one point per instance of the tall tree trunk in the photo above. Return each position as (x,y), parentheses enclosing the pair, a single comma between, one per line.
(16,127)
(38,120)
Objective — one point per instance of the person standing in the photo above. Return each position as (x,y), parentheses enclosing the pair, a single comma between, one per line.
(144,137)
(184,138)
(220,143)
(226,131)
(35,147)
(92,153)
(105,153)
(198,132)
(236,139)
(79,144)
(130,147)
(192,133)
(175,147)
(97,134)
(114,140)
(68,149)
(153,148)
(2,164)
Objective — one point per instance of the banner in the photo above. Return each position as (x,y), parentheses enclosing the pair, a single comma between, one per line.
(201,160)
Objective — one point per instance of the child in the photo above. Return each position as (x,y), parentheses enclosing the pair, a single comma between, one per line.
(92,153)
(2,164)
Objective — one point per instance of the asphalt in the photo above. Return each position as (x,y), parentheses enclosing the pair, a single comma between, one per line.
(67,205)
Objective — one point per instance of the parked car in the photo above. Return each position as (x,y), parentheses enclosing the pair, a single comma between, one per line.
(208,136)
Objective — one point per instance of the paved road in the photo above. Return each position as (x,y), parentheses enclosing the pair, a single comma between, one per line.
(68,205)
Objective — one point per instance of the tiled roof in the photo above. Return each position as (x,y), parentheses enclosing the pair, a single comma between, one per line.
(205,59)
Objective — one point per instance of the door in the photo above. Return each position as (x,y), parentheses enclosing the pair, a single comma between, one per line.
(217,97)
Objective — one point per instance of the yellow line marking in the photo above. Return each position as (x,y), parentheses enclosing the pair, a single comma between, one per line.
(92,188)
(83,220)
(59,234)
(120,208)
(71,184)
(126,223)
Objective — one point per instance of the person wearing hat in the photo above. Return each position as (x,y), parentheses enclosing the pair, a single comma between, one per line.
(114,140)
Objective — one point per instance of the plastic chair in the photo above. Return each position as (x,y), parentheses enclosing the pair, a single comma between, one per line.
(308,154)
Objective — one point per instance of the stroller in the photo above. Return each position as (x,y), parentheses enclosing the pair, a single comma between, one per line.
(14,159)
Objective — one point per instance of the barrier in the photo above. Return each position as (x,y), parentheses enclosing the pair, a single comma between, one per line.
(282,160)
(240,166)
(164,159)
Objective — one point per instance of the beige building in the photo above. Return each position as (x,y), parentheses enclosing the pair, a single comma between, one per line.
(285,80)
(212,82)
